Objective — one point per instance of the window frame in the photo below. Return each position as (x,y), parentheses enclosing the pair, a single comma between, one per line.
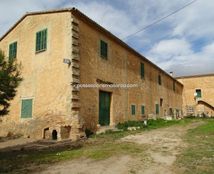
(142,70)
(12,51)
(198,93)
(103,53)
(41,40)
(159,80)
(173,85)
(142,110)
(133,109)
(21,110)
(157,109)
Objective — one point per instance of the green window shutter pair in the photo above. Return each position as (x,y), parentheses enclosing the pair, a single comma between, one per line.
(157,108)
(142,109)
(26,108)
(133,109)
(103,49)
(41,40)
(159,80)
(12,51)
(198,92)
(142,70)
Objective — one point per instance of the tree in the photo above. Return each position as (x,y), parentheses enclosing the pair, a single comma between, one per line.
(10,78)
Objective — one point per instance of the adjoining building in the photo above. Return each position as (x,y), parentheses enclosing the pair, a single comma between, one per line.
(64,48)
(198,95)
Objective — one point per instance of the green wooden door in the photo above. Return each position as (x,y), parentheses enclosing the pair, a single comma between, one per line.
(104,108)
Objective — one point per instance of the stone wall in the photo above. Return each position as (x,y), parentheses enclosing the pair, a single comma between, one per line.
(121,67)
(191,83)
(47,80)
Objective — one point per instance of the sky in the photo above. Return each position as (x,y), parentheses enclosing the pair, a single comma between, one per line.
(182,43)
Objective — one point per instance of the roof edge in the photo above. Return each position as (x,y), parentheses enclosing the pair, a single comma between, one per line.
(31,14)
(195,76)
(122,43)
(77,12)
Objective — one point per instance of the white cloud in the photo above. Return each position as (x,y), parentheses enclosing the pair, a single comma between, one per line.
(177,56)
(168,49)
(195,21)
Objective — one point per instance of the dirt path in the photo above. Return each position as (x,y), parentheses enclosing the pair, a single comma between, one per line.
(163,147)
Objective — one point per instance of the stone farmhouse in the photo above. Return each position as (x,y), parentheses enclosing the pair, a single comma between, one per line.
(198,95)
(62,49)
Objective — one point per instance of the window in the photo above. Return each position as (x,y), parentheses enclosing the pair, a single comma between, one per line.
(157,108)
(198,92)
(142,110)
(142,70)
(159,79)
(133,109)
(12,51)
(103,49)
(41,40)
(161,102)
(173,85)
(26,108)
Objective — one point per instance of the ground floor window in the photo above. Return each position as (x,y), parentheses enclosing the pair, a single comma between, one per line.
(26,108)
(157,108)
(133,109)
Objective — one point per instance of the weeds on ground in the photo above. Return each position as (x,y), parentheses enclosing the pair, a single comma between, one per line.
(198,157)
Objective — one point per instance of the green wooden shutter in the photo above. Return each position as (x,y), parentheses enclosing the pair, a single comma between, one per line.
(157,108)
(103,49)
(12,51)
(133,109)
(142,109)
(41,40)
(142,70)
(26,109)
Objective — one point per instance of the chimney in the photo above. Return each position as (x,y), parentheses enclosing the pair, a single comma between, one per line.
(171,73)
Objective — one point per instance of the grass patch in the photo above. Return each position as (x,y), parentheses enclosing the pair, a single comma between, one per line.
(198,157)
(151,124)
(98,147)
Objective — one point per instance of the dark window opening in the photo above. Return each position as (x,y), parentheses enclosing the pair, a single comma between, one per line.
(173,86)
(54,135)
(159,80)
(198,92)
(161,102)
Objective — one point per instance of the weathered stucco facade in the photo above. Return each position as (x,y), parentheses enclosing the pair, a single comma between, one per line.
(202,104)
(57,104)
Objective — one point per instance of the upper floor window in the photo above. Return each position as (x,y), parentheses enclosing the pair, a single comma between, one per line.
(173,85)
(198,92)
(142,70)
(41,40)
(103,49)
(159,80)
(12,51)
